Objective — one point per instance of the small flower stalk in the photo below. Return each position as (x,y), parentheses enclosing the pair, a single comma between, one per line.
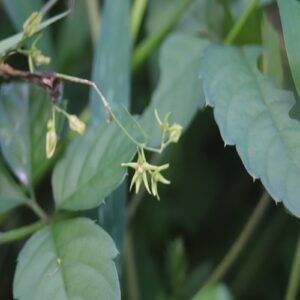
(142,170)
(51,139)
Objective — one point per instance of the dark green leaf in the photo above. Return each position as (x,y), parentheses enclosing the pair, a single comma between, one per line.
(24,111)
(72,259)
(178,90)
(91,168)
(289,15)
(254,115)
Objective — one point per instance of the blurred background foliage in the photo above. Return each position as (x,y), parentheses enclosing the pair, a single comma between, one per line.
(172,245)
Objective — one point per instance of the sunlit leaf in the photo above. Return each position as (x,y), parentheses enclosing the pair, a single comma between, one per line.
(91,168)
(72,259)
(254,115)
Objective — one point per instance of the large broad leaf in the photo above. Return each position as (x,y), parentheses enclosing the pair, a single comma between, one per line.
(77,24)
(10,194)
(178,90)
(24,111)
(289,15)
(111,71)
(69,260)
(111,67)
(12,42)
(91,168)
(218,292)
(254,115)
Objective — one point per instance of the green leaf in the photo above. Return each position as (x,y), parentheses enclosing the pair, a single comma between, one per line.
(72,259)
(218,292)
(178,90)
(254,115)
(111,67)
(24,111)
(10,194)
(91,168)
(77,25)
(289,15)
(272,65)
(11,42)
(111,71)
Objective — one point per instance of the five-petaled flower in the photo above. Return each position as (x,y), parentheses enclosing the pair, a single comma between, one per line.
(142,170)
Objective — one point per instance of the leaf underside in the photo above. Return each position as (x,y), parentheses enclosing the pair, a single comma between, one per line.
(70,260)
(254,115)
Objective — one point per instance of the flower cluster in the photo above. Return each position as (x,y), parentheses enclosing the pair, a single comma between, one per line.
(142,170)
(75,124)
(170,134)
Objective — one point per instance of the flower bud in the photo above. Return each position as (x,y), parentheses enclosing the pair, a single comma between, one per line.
(76,125)
(51,140)
(40,59)
(31,24)
(175,132)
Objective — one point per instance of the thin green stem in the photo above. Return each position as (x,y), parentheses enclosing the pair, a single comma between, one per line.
(20,233)
(153,41)
(233,33)
(32,203)
(293,284)
(137,13)
(239,244)
(93,10)
(105,103)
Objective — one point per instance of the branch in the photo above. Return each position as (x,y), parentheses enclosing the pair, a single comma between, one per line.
(20,233)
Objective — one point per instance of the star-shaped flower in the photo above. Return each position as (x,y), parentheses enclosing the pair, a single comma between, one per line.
(157,177)
(140,175)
